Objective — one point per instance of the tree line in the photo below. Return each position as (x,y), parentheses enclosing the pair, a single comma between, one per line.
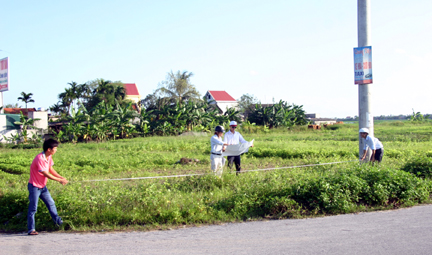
(98,110)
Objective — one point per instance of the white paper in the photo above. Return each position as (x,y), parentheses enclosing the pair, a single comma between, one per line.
(237,149)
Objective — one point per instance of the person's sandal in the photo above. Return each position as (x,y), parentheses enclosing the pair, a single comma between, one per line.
(33,233)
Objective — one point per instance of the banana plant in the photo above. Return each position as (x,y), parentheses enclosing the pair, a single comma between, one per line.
(60,136)
(122,119)
(25,123)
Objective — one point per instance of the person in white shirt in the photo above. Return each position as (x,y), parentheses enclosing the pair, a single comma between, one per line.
(374,144)
(233,137)
(217,146)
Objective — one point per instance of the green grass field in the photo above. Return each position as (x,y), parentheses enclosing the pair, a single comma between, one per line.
(163,203)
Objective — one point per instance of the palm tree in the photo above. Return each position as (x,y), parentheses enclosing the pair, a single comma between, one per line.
(74,92)
(83,92)
(26,98)
(178,88)
(67,98)
(57,108)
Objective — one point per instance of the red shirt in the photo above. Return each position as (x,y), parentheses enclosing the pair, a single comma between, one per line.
(40,163)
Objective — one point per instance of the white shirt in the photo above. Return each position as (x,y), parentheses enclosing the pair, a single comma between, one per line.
(235,138)
(216,144)
(373,143)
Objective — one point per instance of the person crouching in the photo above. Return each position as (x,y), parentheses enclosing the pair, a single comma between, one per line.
(374,144)
(217,145)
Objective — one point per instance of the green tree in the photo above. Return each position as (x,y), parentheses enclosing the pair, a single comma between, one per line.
(246,104)
(109,92)
(16,105)
(58,108)
(67,97)
(84,92)
(417,116)
(178,88)
(278,114)
(26,98)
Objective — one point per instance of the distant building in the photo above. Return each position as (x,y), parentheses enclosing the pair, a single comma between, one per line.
(312,115)
(222,99)
(316,119)
(132,92)
(321,121)
(8,127)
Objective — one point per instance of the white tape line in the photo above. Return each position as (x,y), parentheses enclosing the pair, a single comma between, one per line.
(287,167)
(185,175)
(141,178)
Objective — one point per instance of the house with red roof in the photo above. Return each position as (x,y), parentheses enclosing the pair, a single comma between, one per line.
(132,92)
(25,111)
(222,99)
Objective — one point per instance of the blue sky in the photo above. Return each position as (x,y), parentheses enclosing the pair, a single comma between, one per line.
(297,51)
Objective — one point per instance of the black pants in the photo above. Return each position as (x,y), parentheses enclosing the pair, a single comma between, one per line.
(236,161)
(379,155)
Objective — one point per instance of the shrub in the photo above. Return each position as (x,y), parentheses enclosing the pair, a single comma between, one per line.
(422,167)
(13,168)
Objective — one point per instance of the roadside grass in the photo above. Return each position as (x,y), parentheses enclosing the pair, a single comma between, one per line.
(401,180)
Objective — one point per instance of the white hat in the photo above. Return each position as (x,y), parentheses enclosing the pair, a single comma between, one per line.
(233,123)
(364,130)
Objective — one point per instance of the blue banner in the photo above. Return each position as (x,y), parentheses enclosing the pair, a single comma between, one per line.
(363,65)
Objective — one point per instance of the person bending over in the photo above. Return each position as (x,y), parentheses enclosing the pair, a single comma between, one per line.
(374,144)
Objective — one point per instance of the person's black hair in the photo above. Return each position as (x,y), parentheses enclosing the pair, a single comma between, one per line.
(50,144)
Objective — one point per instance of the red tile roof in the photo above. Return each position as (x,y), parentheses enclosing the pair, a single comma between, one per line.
(131,89)
(18,110)
(221,95)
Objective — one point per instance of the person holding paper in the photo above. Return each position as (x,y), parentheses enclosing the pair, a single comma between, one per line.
(217,161)
(231,138)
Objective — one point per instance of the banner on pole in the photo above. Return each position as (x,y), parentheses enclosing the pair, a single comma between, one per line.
(4,75)
(363,65)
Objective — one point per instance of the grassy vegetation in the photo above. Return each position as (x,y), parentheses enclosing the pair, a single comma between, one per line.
(401,180)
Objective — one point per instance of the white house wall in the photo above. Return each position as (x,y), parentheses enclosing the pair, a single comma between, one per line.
(43,122)
(4,131)
(225,105)
(8,133)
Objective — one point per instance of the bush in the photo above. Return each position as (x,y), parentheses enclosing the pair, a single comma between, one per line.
(336,126)
(14,169)
(421,167)
(342,191)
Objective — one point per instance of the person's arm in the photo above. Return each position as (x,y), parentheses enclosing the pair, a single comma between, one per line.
(365,149)
(241,139)
(53,172)
(54,178)
(373,156)
(364,154)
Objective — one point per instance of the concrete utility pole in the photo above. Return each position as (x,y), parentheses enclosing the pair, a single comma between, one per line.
(364,90)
